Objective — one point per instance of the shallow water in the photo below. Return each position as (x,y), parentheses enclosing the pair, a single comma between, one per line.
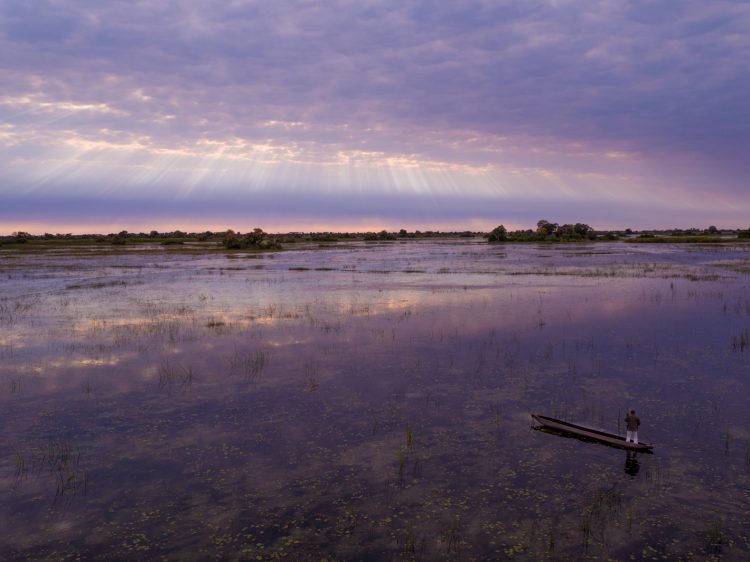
(371,401)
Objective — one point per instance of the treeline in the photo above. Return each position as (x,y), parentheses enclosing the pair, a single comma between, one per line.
(547,231)
(121,237)
(229,239)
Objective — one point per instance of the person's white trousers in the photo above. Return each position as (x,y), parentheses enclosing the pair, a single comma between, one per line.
(632,436)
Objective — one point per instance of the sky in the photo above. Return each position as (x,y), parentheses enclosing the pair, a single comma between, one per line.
(317,115)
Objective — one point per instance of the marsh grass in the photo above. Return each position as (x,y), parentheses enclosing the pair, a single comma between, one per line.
(451,540)
(250,364)
(715,536)
(170,375)
(604,506)
(411,546)
(401,466)
(98,284)
(727,440)
(12,310)
(409,438)
(58,458)
(740,342)
(311,376)
(6,351)
(657,474)
(21,467)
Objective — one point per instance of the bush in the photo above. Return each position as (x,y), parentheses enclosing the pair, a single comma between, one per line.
(257,239)
(499,234)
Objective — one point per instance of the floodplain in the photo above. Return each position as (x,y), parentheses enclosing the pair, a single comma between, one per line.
(371,401)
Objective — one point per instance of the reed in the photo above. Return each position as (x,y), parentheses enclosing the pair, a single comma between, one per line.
(740,342)
(401,467)
(604,505)
(452,540)
(727,440)
(715,536)
(249,364)
(311,374)
(170,374)
(21,467)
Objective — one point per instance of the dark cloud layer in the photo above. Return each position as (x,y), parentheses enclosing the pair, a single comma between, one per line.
(553,85)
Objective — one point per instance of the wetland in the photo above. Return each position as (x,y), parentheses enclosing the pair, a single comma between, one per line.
(372,400)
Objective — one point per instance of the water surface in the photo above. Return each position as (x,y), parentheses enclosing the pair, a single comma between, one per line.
(371,401)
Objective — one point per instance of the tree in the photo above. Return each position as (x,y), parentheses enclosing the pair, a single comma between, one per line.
(545,227)
(565,231)
(253,238)
(499,234)
(256,239)
(230,240)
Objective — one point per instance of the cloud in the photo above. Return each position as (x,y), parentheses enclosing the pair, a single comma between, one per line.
(205,97)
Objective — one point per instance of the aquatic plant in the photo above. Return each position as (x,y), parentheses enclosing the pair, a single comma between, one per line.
(740,342)
(409,438)
(170,374)
(250,364)
(715,536)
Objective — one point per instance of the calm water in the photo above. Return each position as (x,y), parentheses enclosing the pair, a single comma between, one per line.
(371,402)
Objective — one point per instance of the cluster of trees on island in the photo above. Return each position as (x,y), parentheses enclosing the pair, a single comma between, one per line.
(548,231)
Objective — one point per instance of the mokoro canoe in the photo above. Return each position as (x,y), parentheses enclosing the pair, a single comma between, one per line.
(590,433)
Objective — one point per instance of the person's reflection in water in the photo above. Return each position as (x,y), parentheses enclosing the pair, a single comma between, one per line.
(632,466)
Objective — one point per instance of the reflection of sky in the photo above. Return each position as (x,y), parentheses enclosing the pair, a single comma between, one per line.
(414,291)
(350,116)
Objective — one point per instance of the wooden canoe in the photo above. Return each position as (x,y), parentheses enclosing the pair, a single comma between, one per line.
(590,433)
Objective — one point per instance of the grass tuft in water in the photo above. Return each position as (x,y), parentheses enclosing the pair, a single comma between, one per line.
(740,343)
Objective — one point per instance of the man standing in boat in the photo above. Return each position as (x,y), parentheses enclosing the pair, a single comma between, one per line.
(632,422)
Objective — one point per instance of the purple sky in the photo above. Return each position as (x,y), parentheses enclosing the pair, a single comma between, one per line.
(315,115)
